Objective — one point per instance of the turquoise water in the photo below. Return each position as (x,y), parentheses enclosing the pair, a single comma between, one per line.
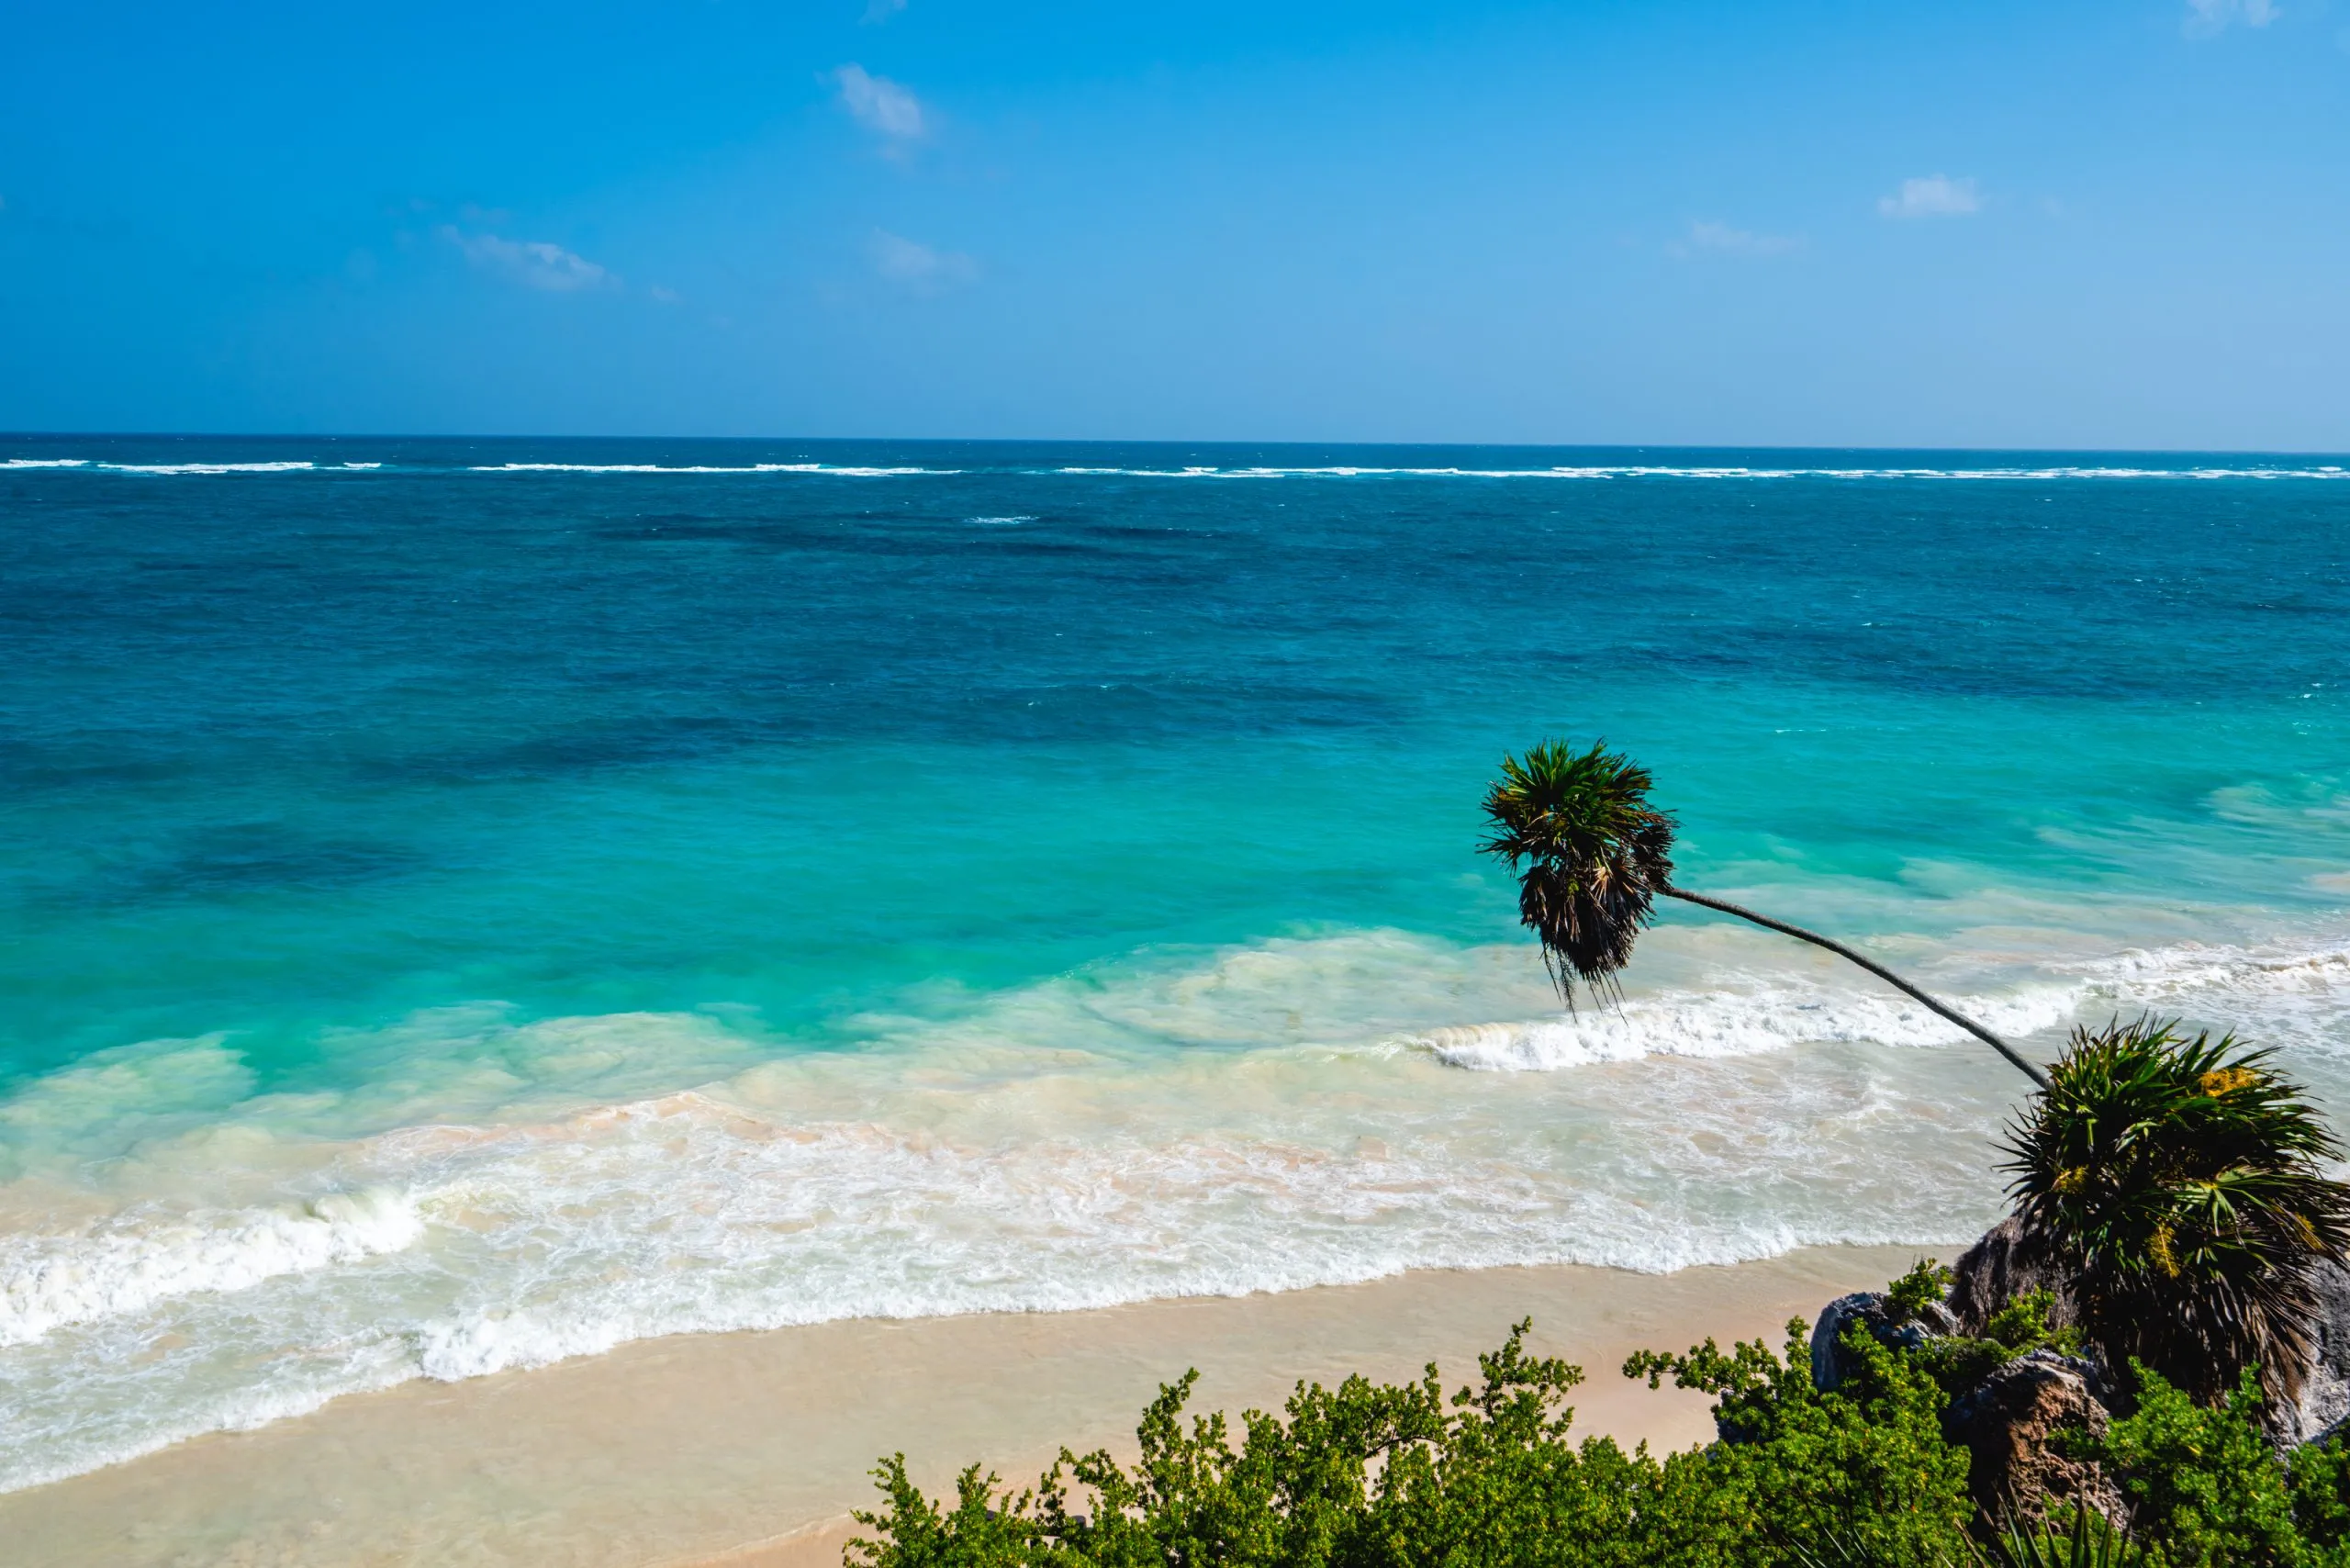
(471,903)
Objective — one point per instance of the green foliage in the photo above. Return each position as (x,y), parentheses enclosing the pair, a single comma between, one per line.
(1590,851)
(1923,1286)
(1372,1475)
(2182,1183)
(2203,1484)
(2081,1538)
(1396,1476)
(2320,1479)
(1957,1363)
(2022,1324)
(1866,1465)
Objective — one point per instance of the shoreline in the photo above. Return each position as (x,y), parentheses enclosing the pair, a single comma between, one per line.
(748,1450)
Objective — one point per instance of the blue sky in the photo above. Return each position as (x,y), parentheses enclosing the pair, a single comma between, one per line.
(2088,224)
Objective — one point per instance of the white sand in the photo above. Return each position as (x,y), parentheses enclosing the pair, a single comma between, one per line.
(749,1450)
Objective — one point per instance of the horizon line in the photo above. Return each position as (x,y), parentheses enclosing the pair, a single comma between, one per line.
(1170,441)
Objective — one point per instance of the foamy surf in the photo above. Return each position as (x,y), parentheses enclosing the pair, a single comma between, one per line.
(1726,1023)
(1263,1117)
(134,1261)
(2052,473)
(1736,472)
(837,470)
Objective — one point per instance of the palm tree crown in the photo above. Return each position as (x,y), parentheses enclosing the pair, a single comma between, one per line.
(1595,855)
(2181,1181)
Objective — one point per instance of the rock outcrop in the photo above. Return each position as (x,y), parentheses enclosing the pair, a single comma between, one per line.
(2002,1266)
(2007,1421)
(1831,1363)
(2005,1263)
(2325,1402)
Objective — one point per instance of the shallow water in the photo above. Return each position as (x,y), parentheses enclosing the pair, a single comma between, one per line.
(472,903)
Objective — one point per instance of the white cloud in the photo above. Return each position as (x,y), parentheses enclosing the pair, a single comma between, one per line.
(880,103)
(1932,195)
(2205,17)
(917,266)
(533,262)
(876,11)
(1737,241)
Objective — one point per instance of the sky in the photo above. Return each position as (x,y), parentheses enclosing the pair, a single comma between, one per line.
(2101,224)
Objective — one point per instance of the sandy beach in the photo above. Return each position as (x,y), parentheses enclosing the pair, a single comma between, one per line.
(751,1449)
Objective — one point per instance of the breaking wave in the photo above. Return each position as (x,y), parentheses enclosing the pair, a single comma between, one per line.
(1271,1116)
(1658,471)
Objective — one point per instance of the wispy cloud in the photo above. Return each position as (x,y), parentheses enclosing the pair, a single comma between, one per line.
(535,264)
(2205,17)
(879,11)
(1732,241)
(920,268)
(881,105)
(1932,195)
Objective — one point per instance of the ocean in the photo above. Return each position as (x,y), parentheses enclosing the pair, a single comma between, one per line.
(472,903)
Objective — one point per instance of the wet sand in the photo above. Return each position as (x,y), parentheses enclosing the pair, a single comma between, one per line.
(749,1450)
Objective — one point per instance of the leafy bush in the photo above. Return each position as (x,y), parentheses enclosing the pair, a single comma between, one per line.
(1865,1464)
(1927,1284)
(1371,1475)
(1957,1362)
(2321,1487)
(1382,1476)
(2204,1485)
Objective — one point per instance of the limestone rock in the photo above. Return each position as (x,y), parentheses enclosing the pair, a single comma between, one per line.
(1831,1363)
(2325,1401)
(2006,1422)
(1999,1268)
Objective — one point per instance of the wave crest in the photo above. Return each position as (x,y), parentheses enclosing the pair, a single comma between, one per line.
(132,1264)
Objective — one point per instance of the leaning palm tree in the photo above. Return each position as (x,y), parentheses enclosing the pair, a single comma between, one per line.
(1592,857)
(2182,1185)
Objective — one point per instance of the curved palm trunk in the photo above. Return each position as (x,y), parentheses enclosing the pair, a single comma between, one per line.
(1817,940)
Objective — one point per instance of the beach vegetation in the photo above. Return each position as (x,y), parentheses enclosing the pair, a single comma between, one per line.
(1372,1475)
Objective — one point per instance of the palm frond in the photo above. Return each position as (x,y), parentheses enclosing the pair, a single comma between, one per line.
(1590,853)
(2092,1542)
(2183,1182)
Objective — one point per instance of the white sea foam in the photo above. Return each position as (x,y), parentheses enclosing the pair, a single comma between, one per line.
(1267,1116)
(1662,471)
(1731,1022)
(99,465)
(285,468)
(131,1263)
(1734,472)
(837,470)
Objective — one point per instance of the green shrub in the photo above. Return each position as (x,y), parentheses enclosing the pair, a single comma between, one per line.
(2320,1479)
(1957,1363)
(1866,1465)
(1921,1287)
(2204,1485)
(2022,1324)
(1386,1476)
(1371,1475)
